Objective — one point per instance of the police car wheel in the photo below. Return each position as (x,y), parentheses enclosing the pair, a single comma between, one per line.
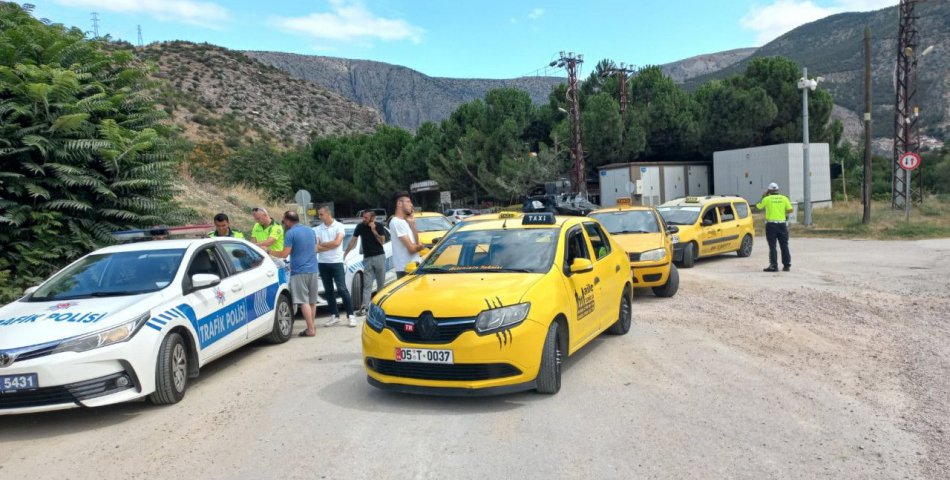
(746,248)
(356,291)
(624,317)
(171,371)
(689,255)
(671,286)
(549,375)
(283,321)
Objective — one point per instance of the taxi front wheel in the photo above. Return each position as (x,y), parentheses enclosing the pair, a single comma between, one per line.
(549,376)
(689,255)
(671,286)
(171,371)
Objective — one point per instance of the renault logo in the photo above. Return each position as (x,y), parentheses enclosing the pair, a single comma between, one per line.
(6,359)
(426,326)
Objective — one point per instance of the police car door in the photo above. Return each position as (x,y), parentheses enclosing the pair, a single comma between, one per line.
(710,231)
(581,286)
(217,312)
(259,277)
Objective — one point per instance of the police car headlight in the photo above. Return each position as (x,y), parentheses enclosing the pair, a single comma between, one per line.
(104,338)
(653,255)
(498,318)
(376,317)
(675,237)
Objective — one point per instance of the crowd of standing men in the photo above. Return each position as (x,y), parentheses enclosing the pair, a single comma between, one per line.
(318,254)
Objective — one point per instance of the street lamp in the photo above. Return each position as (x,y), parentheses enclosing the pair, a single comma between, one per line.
(805,84)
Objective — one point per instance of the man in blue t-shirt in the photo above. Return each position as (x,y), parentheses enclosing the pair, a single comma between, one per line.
(300,244)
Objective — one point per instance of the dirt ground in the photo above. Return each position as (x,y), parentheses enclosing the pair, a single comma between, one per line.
(838,369)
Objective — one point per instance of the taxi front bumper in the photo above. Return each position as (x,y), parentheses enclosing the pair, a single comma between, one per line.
(650,274)
(489,364)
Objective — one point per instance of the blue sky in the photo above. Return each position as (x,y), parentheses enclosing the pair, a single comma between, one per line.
(459,38)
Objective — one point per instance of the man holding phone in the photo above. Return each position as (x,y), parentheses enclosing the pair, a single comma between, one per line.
(406,246)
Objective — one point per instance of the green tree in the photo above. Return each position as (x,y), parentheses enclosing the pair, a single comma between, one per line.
(83,153)
(602,131)
(733,117)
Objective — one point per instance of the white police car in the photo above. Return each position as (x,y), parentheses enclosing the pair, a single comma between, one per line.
(137,320)
(353,263)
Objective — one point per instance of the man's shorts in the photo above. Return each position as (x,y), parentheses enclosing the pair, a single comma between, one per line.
(303,287)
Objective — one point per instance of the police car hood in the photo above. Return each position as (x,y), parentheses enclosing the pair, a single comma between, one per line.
(30,323)
(455,294)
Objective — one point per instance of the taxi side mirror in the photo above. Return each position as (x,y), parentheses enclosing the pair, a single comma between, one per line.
(411,268)
(707,222)
(581,265)
(204,280)
(673,229)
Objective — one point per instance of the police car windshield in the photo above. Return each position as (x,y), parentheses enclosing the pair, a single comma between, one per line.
(432,224)
(112,274)
(630,221)
(679,215)
(512,250)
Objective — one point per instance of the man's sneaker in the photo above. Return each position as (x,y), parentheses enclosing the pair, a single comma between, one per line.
(771,268)
(332,321)
(787,268)
(352,319)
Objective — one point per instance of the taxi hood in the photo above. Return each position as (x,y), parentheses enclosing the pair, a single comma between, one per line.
(639,242)
(455,294)
(31,323)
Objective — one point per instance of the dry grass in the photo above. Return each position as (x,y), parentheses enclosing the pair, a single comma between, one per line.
(929,220)
(236,201)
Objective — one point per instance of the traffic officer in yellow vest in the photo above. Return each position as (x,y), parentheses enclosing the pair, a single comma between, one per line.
(222,227)
(777,207)
(267,233)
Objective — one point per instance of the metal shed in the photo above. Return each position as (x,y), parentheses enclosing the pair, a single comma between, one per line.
(652,183)
(747,172)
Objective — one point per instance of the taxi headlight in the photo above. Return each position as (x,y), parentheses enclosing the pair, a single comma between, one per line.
(109,336)
(376,317)
(499,318)
(675,237)
(653,255)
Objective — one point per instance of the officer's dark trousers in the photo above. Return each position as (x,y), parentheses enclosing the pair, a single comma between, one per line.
(778,232)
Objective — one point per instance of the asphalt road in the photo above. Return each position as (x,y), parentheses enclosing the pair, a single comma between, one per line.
(838,369)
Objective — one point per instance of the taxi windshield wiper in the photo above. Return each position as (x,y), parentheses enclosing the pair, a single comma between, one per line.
(117,293)
(632,231)
(506,270)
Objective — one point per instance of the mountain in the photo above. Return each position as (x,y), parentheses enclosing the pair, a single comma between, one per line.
(217,94)
(405,97)
(683,70)
(833,48)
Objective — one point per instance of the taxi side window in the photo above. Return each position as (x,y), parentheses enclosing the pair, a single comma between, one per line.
(710,218)
(742,209)
(597,239)
(726,214)
(575,247)
(242,257)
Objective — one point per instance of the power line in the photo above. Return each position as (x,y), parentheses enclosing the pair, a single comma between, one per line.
(95,24)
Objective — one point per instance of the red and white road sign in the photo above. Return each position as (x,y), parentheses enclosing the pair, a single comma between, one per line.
(909,161)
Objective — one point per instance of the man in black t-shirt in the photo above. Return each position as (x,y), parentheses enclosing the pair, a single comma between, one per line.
(370,233)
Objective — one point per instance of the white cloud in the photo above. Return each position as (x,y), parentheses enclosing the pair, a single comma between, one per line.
(536,13)
(774,19)
(205,14)
(351,20)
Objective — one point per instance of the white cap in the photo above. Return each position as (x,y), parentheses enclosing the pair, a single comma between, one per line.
(773,186)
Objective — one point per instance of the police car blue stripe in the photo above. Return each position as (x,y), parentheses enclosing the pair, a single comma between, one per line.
(158,321)
(165,316)
(228,319)
(153,326)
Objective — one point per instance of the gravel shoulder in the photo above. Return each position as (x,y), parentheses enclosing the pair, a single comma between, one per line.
(838,369)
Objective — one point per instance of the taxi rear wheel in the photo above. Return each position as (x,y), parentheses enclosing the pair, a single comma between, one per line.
(283,321)
(625,315)
(171,371)
(549,376)
(689,255)
(746,248)
(671,286)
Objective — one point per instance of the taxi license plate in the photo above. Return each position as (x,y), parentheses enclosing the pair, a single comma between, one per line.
(13,383)
(424,355)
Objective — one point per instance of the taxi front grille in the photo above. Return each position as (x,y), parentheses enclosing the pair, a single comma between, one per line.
(634,256)
(71,393)
(446,330)
(435,371)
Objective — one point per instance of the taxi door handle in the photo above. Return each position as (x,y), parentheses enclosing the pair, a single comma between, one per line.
(596,280)
(236,287)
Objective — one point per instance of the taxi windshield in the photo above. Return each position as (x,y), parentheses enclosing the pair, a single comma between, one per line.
(630,221)
(513,250)
(679,215)
(112,274)
(432,224)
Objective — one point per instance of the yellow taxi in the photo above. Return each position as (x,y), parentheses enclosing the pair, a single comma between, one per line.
(431,227)
(648,241)
(497,305)
(708,226)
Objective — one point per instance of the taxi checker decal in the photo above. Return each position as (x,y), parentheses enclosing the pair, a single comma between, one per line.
(505,337)
(223,321)
(585,301)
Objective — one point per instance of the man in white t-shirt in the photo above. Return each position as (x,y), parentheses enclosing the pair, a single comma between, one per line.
(330,235)
(406,246)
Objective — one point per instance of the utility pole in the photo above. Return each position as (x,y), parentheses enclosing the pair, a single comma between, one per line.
(569,61)
(95,24)
(866,190)
(622,72)
(805,84)
(141,43)
(906,138)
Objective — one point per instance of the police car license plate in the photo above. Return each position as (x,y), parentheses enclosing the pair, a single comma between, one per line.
(13,383)
(424,355)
